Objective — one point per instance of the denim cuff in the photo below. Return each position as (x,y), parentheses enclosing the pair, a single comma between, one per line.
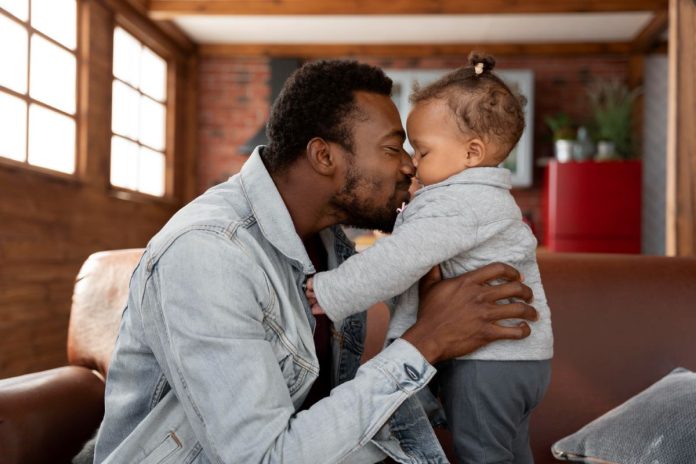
(408,437)
(405,365)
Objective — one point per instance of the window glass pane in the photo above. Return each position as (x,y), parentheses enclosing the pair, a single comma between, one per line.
(13,55)
(151,177)
(57,19)
(126,57)
(125,110)
(13,127)
(153,75)
(52,76)
(51,139)
(19,8)
(124,163)
(152,123)
(139,115)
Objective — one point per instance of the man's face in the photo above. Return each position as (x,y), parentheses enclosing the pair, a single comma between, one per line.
(378,172)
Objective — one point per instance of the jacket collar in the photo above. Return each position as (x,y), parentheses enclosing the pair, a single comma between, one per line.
(270,211)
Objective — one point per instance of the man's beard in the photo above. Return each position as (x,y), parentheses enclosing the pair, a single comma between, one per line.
(361,212)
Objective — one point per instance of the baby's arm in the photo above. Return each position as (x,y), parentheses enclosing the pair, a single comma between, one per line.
(392,264)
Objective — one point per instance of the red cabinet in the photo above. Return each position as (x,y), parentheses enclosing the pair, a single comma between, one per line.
(593,206)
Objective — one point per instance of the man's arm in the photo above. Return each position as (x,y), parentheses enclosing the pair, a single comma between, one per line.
(459,315)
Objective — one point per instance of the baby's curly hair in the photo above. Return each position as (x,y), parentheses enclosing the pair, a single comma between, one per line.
(318,100)
(481,101)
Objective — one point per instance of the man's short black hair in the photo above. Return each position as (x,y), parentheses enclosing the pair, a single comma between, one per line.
(318,100)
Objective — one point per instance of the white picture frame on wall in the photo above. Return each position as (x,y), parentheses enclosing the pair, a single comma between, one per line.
(520,161)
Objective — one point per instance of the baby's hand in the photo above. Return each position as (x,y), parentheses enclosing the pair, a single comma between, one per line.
(309,291)
(312,298)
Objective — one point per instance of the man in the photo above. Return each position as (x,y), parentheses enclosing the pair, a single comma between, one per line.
(217,357)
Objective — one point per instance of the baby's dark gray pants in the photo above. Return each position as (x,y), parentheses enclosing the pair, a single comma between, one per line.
(487,404)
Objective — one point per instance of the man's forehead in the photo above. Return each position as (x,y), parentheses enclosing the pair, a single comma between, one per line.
(380,114)
(372,99)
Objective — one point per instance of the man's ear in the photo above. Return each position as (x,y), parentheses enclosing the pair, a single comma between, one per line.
(475,152)
(320,157)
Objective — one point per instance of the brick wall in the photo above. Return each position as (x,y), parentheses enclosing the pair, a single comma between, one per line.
(233,103)
(234,93)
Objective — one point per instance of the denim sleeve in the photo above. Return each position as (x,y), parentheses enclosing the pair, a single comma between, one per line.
(207,330)
(393,263)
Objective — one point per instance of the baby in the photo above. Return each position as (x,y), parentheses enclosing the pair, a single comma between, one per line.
(464,217)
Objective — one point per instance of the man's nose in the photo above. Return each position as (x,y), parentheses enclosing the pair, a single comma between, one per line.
(408,164)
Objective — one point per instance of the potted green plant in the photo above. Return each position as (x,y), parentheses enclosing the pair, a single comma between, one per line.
(612,102)
(563,135)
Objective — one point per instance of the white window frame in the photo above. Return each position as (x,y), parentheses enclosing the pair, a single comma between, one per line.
(166,151)
(27,98)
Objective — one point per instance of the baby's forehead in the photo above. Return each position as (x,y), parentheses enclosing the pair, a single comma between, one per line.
(426,111)
(436,104)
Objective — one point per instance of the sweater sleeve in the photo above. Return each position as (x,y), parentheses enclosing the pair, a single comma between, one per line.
(393,263)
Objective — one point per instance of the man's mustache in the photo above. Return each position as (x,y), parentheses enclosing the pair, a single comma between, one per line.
(404,184)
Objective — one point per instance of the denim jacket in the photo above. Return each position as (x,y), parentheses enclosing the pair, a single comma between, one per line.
(215,353)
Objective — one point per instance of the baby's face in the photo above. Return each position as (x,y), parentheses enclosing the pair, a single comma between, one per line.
(438,142)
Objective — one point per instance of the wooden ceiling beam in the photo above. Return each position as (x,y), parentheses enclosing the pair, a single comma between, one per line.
(413,50)
(649,36)
(167,9)
(177,35)
(161,37)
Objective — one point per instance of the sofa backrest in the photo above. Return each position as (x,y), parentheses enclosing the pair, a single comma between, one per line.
(621,322)
(99,297)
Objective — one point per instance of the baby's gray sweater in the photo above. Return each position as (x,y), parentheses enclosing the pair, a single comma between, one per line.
(462,223)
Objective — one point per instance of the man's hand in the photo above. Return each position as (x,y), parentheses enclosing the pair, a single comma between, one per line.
(459,315)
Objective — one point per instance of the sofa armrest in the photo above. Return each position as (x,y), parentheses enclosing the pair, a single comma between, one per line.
(48,416)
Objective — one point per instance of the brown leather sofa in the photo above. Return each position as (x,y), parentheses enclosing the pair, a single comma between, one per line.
(46,417)
(621,322)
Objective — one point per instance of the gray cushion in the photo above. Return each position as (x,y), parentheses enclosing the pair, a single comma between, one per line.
(656,426)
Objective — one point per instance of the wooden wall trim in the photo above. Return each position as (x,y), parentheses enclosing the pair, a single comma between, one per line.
(185,172)
(172,8)
(163,39)
(179,36)
(681,145)
(413,50)
(94,112)
(649,36)
(636,75)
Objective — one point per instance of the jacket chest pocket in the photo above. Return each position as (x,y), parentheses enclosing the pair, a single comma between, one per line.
(293,366)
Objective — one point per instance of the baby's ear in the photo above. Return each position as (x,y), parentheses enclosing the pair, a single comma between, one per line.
(475,152)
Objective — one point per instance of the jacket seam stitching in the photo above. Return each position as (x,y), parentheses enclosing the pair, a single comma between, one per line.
(154,257)
(180,374)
